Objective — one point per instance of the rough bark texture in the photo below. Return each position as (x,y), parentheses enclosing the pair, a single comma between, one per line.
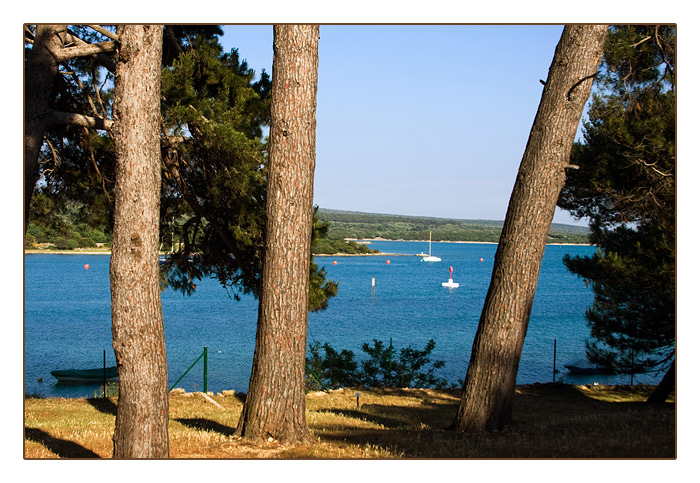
(275,405)
(41,69)
(487,399)
(141,429)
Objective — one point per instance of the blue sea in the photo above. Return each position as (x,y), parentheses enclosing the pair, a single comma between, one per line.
(67,322)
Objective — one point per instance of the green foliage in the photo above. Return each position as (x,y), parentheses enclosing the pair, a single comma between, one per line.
(334,369)
(332,247)
(382,368)
(213,169)
(626,186)
(112,391)
(215,181)
(61,225)
(348,224)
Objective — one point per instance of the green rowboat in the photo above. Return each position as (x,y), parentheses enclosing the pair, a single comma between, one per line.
(86,375)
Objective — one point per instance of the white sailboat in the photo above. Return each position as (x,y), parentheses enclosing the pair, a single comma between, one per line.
(430,257)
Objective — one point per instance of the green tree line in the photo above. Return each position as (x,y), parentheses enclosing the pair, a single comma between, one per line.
(346,224)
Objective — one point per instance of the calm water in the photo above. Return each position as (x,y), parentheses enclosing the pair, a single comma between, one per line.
(67,316)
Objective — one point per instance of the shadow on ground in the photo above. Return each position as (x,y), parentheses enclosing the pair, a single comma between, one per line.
(103,405)
(61,447)
(201,424)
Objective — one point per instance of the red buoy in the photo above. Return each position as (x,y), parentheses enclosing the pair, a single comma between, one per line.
(388,262)
(335,263)
(86,266)
(481,259)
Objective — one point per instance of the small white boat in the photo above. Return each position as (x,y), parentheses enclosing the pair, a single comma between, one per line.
(429,257)
(450,283)
(583,366)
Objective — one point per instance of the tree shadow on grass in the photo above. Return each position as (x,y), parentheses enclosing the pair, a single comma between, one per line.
(201,424)
(365,415)
(103,405)
(63,448)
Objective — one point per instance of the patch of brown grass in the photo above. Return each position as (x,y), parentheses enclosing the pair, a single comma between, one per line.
(549,421)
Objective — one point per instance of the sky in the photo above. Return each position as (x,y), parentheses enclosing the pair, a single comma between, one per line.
(427,120)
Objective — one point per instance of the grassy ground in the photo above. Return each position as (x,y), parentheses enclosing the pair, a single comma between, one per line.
(549,421)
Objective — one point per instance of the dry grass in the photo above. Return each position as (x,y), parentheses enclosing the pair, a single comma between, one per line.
(549,421)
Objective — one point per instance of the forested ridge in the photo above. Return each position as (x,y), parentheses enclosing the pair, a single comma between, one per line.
(65,230)
(354,224)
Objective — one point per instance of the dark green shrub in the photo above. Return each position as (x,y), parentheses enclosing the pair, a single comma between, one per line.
(382,369)
(29,240)
(85,242)
(63,243)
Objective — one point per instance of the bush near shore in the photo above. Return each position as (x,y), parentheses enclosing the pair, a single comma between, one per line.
(549,421)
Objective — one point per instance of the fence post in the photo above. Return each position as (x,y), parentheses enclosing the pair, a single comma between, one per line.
(554,366)
(205,370)
(188,370)
(104,372)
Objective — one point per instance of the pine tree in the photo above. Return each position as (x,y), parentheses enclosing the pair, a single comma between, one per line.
(141,427)
(275,406)
(487,399)
(626,187)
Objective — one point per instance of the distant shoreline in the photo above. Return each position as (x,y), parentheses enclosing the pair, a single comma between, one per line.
(67,252)
(367,241)
(370,240)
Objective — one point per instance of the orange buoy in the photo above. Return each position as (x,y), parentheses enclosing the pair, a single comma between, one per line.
(388,262)
(335,263)
(86,266)
(481,259)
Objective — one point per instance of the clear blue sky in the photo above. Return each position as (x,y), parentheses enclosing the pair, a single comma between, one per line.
(427,120)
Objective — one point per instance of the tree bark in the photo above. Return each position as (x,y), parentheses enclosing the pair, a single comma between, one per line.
(141,428)
(487,399)
(40,72)
(275,405)
(663,390)
(64,118)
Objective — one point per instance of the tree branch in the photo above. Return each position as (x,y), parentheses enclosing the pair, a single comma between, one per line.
(85,49)
(642,41)
(102,56)
(57,118)
(105,32)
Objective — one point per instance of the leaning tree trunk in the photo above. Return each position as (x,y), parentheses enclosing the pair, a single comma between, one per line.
(487,399)
(665,387)
(275,405)
(141,429)
(41,69)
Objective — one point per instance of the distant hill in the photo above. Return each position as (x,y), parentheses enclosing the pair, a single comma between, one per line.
(354,224)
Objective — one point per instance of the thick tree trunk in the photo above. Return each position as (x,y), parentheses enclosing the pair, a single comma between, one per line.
(41,69)
(663,390)
(141,429)
(487,399)
(275,405)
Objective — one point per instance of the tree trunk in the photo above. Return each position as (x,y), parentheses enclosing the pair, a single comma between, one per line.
(487,399)
(40,72)
(141,429)
(663,390)
(275,405)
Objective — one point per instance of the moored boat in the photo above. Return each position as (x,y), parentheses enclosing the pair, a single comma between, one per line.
(86,375)
(583,366)
(429,257)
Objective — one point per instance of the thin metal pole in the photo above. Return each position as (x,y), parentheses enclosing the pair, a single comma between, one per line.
(188,370)
(554,369)
(205,370)
(391,355)
(104,371)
